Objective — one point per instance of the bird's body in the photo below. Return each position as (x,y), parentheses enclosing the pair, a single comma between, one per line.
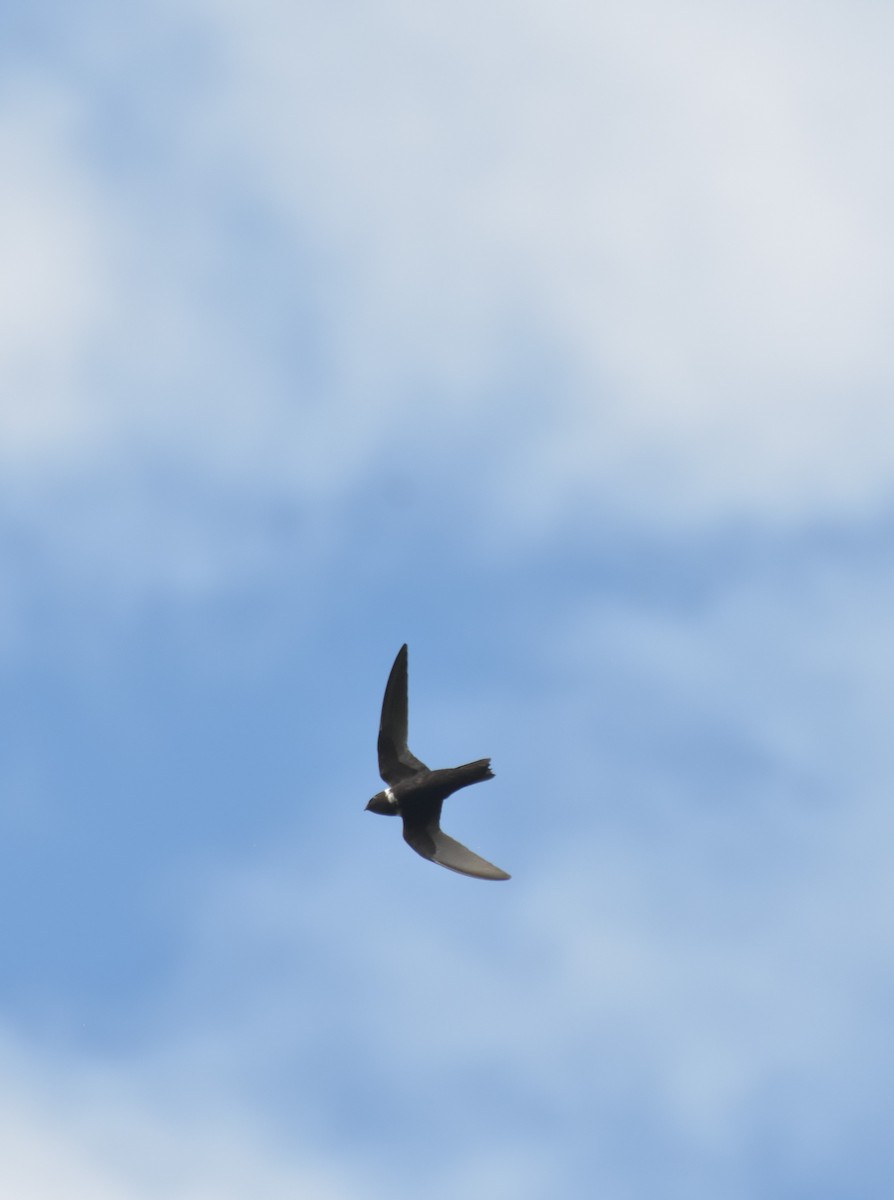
(415,793)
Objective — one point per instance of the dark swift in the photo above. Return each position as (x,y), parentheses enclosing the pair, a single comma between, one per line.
(416,794)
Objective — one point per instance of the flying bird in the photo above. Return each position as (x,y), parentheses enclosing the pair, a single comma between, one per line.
(416,794)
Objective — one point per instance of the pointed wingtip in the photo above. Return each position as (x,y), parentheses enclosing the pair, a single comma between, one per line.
(481,870)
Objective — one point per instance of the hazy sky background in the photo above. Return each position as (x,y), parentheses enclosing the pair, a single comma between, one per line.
(554,339)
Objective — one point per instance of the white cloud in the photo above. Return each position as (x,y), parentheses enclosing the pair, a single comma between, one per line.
(686,207)
(53,280)
(87,1131)
(641,259)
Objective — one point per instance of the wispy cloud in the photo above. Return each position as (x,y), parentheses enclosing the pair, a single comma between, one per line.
(658,202)
(54,282)
(640,258)
(81,1129)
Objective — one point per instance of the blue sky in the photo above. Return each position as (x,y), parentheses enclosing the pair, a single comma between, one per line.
(554,340)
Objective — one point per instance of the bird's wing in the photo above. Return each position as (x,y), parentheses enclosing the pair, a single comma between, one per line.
(433,843)
(395,760)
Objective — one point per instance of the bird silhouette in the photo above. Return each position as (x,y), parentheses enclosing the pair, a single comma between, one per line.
(415,793)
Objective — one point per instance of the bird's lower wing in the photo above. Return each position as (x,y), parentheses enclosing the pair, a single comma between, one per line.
(434,844)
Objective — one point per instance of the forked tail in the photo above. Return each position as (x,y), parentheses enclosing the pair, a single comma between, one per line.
(473,772)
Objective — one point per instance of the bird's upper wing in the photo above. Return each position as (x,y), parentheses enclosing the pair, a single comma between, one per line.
(395,760)
(433,843)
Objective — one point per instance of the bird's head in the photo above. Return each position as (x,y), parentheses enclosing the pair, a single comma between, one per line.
(383,803)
